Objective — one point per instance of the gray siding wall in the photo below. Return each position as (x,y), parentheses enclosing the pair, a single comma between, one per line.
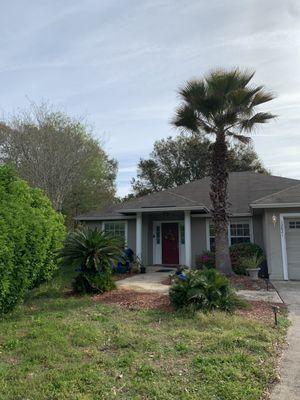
(258,232)
(199,243)
(131,234)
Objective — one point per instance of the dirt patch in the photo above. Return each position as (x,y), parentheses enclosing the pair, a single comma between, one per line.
(135,300)
(241,282)
(260,310)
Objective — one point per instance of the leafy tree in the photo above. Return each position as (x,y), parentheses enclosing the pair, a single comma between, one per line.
(94,252)
(31,233)
(185,158)
(222,105)
(58,154)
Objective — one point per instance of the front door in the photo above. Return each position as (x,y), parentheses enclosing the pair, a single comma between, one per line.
(170,250)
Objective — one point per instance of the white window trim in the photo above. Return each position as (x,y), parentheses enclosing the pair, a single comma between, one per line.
(283,242)
(244,220)
(117,222)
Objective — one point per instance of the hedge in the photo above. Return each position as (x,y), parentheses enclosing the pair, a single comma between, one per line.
(30,233)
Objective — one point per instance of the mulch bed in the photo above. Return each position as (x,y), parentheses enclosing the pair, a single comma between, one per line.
(258,310)
(135,300)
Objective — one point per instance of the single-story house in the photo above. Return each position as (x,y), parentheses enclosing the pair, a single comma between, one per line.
(174,226)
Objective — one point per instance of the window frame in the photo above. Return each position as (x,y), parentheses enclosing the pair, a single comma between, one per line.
(118,222)
(231,221)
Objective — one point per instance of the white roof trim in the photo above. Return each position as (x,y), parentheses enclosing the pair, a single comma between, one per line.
(107,218)
(275,205)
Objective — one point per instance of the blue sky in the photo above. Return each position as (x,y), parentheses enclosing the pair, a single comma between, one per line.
(119,63)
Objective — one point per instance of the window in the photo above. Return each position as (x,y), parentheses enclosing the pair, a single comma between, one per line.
(157,234)
(116,229)
(212,237)
(182,233)
(294,224)
(239,232)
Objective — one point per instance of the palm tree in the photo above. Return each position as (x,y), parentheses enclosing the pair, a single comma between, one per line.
(223,105)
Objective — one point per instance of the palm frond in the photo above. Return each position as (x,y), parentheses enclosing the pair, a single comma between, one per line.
(258,118)
(262,97)
(193,92)
(90,249)
(186,118)
(240,138)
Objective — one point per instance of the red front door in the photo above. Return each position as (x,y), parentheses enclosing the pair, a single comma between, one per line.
(170,251)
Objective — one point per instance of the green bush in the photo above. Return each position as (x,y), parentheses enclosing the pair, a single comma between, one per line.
(238,252)
(93,252)
(93,283)
(241,251)
(30,233)
(204,290)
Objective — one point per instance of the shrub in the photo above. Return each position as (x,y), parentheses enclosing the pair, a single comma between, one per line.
(242,251)
(93,283)
(206,260)
(94,252)
(30,233)
(205,290)
(238,252)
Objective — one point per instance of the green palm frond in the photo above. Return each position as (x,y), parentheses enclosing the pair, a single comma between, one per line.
(258,118)
(262,97)
(222,101)
(90,249)
(186,119)
(240,138)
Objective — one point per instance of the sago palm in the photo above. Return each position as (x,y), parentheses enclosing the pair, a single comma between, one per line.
(91,249)
(223,105)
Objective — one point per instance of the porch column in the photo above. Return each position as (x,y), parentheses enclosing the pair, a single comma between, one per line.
(139,235)
(188,238)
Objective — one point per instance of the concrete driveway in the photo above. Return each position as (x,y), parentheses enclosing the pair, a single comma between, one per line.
(289,386)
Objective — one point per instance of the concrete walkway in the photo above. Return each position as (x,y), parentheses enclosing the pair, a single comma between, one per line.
(289,386)
(151,281)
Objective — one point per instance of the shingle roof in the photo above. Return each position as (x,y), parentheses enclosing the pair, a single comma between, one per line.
(290,195)
(244,188)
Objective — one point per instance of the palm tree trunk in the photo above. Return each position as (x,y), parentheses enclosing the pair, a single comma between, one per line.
(219,199)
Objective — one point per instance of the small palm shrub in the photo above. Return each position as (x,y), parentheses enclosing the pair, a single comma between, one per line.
(241,251)
(93,252)
(203,290)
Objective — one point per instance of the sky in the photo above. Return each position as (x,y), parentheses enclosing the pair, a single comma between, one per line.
(119,64)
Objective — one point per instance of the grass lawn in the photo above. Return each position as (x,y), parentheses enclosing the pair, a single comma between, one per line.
(57,347)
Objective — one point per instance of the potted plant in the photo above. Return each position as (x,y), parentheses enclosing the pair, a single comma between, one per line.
(138,265)
(252,265)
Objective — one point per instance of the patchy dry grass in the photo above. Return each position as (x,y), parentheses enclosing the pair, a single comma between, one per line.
(58,347)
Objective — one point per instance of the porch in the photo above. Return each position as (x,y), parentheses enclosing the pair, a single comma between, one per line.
(165,238)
